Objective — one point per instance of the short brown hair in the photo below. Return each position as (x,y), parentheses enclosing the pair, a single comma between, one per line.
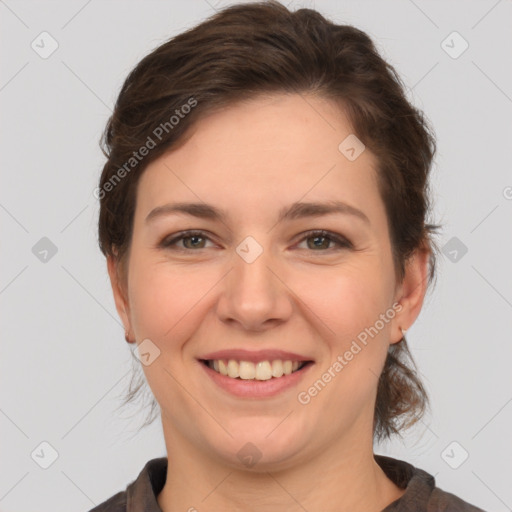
(263,48)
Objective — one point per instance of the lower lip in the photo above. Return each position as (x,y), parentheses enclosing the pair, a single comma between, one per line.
(256,388)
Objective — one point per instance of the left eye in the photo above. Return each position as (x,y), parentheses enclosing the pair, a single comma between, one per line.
(321,235)
(320,239)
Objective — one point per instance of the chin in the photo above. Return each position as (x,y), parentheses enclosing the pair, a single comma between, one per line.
(262,447)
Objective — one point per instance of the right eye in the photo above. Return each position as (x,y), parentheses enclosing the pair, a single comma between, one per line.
(193,236)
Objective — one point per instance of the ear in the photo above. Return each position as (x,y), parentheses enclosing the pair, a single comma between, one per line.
(119,289)
(411,292)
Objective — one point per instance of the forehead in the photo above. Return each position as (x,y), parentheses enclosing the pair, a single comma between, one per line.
(278,149)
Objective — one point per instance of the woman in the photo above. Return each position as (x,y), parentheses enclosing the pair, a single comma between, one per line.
(263,214)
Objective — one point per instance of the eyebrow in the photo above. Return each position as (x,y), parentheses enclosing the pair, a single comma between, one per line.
(292,212)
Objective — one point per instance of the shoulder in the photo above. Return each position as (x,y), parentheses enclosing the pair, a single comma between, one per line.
(140,494)
(421,493)
(443,501)
(116,503)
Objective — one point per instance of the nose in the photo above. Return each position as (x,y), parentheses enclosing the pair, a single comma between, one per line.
(254,294)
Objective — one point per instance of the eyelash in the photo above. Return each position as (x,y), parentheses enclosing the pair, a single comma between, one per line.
(342,242)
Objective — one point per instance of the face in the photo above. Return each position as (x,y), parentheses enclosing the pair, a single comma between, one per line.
(259,277)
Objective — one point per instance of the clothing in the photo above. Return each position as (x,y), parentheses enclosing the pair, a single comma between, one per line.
(421,493)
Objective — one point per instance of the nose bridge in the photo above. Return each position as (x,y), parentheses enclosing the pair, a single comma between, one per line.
(252,280)
(253,294)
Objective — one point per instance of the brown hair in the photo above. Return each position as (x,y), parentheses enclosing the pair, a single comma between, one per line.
(263,48)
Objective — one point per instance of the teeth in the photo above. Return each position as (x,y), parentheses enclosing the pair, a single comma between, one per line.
(247,370)
(277,368)
(263,370)
(233,369)
(223,369)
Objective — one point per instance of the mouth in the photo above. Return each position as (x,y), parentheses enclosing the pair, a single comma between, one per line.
(260,374)
(255,375)
(263,370)
(255,380)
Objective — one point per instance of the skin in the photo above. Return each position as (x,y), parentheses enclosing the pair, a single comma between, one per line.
(252,159)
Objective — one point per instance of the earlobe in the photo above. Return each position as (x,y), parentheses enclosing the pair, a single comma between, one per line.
(411,292)
(119,291)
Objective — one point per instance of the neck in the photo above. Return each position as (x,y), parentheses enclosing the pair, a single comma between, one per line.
(343,478)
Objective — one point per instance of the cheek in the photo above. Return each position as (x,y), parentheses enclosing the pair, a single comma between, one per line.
(166,299)
(351,305)
(167,303)
(348,299)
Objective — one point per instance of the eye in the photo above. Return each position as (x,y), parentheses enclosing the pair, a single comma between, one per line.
(321,238)
(194,237)
(195,240)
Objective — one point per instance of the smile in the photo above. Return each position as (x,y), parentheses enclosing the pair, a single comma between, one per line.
(248,370)
(242,380)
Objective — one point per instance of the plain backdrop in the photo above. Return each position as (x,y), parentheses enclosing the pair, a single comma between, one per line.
(64,361)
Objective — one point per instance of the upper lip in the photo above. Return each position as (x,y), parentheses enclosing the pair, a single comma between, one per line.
(255,356)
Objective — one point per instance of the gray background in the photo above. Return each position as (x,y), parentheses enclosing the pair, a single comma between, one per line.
(64,362)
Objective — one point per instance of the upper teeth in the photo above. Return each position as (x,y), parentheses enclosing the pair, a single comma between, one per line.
(263,370)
